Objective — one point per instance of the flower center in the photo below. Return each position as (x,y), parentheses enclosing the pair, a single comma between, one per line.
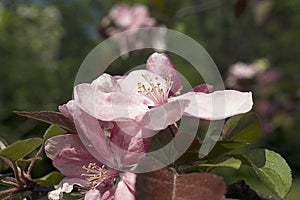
(95,175)
(154,90)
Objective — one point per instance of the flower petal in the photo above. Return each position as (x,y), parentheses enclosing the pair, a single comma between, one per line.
(128,149)
(106,82)
(92,136)
(67,109)
(160,63)
(158,118)
(149,87)
(217,105)
(107,106)
(56,144)
(67,152)
(66,185)
(126,187)
(93,194)
(205,88)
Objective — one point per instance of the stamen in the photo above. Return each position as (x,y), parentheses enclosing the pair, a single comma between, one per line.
(95,175)
(153,89)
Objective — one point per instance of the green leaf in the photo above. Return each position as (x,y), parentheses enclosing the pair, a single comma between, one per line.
(223,147)
(191,154)
(23,163)
(53,178)
(160,140)
(242,128)
(271,169)
(52,131)
(21,148)
(231,162)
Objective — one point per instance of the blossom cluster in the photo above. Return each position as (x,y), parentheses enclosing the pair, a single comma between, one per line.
(128,20)
(116,117)
(270,100)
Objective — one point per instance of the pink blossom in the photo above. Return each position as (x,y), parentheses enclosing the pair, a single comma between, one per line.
(80,157)
(126,17)
(150,99)
(80,168)
(123,17)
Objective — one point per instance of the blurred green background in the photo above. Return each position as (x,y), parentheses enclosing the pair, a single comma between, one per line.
(43,42)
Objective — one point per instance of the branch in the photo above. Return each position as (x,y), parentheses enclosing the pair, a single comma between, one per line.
(240,190)
(40,151)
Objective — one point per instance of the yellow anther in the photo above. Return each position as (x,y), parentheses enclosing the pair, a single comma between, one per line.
(152,89)
(95,174)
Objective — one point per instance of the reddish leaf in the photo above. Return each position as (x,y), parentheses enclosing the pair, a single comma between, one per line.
(240,7)
(50,117)
(166,185)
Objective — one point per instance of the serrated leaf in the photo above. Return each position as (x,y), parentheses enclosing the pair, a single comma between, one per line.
(52,131)
(53,178)
(242,128)
(231,163)
(21,148)
(271,169)
(50,117)
(165,184)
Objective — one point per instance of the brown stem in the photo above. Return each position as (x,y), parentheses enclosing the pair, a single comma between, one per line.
(171,131)
(10,183)
(10,191)
(29,169)
(12,166)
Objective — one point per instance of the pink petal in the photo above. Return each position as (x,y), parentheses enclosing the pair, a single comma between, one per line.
(67,152)
(107,195)
(128,149)
(107,106)
(205,88)
(92,136)
(141,17)
(129,179)
(217,105)
(160,63)
(132,128)
(121,15)
(67,109)
(93,194)
(126,187)
(106,82)
(158,118)
(56,144)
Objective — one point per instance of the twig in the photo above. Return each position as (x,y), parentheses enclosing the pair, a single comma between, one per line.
(171,131)
(9,191)
(240,190)
(12,166)
(35,158)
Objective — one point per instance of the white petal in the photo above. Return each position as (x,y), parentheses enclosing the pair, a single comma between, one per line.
(217,105)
